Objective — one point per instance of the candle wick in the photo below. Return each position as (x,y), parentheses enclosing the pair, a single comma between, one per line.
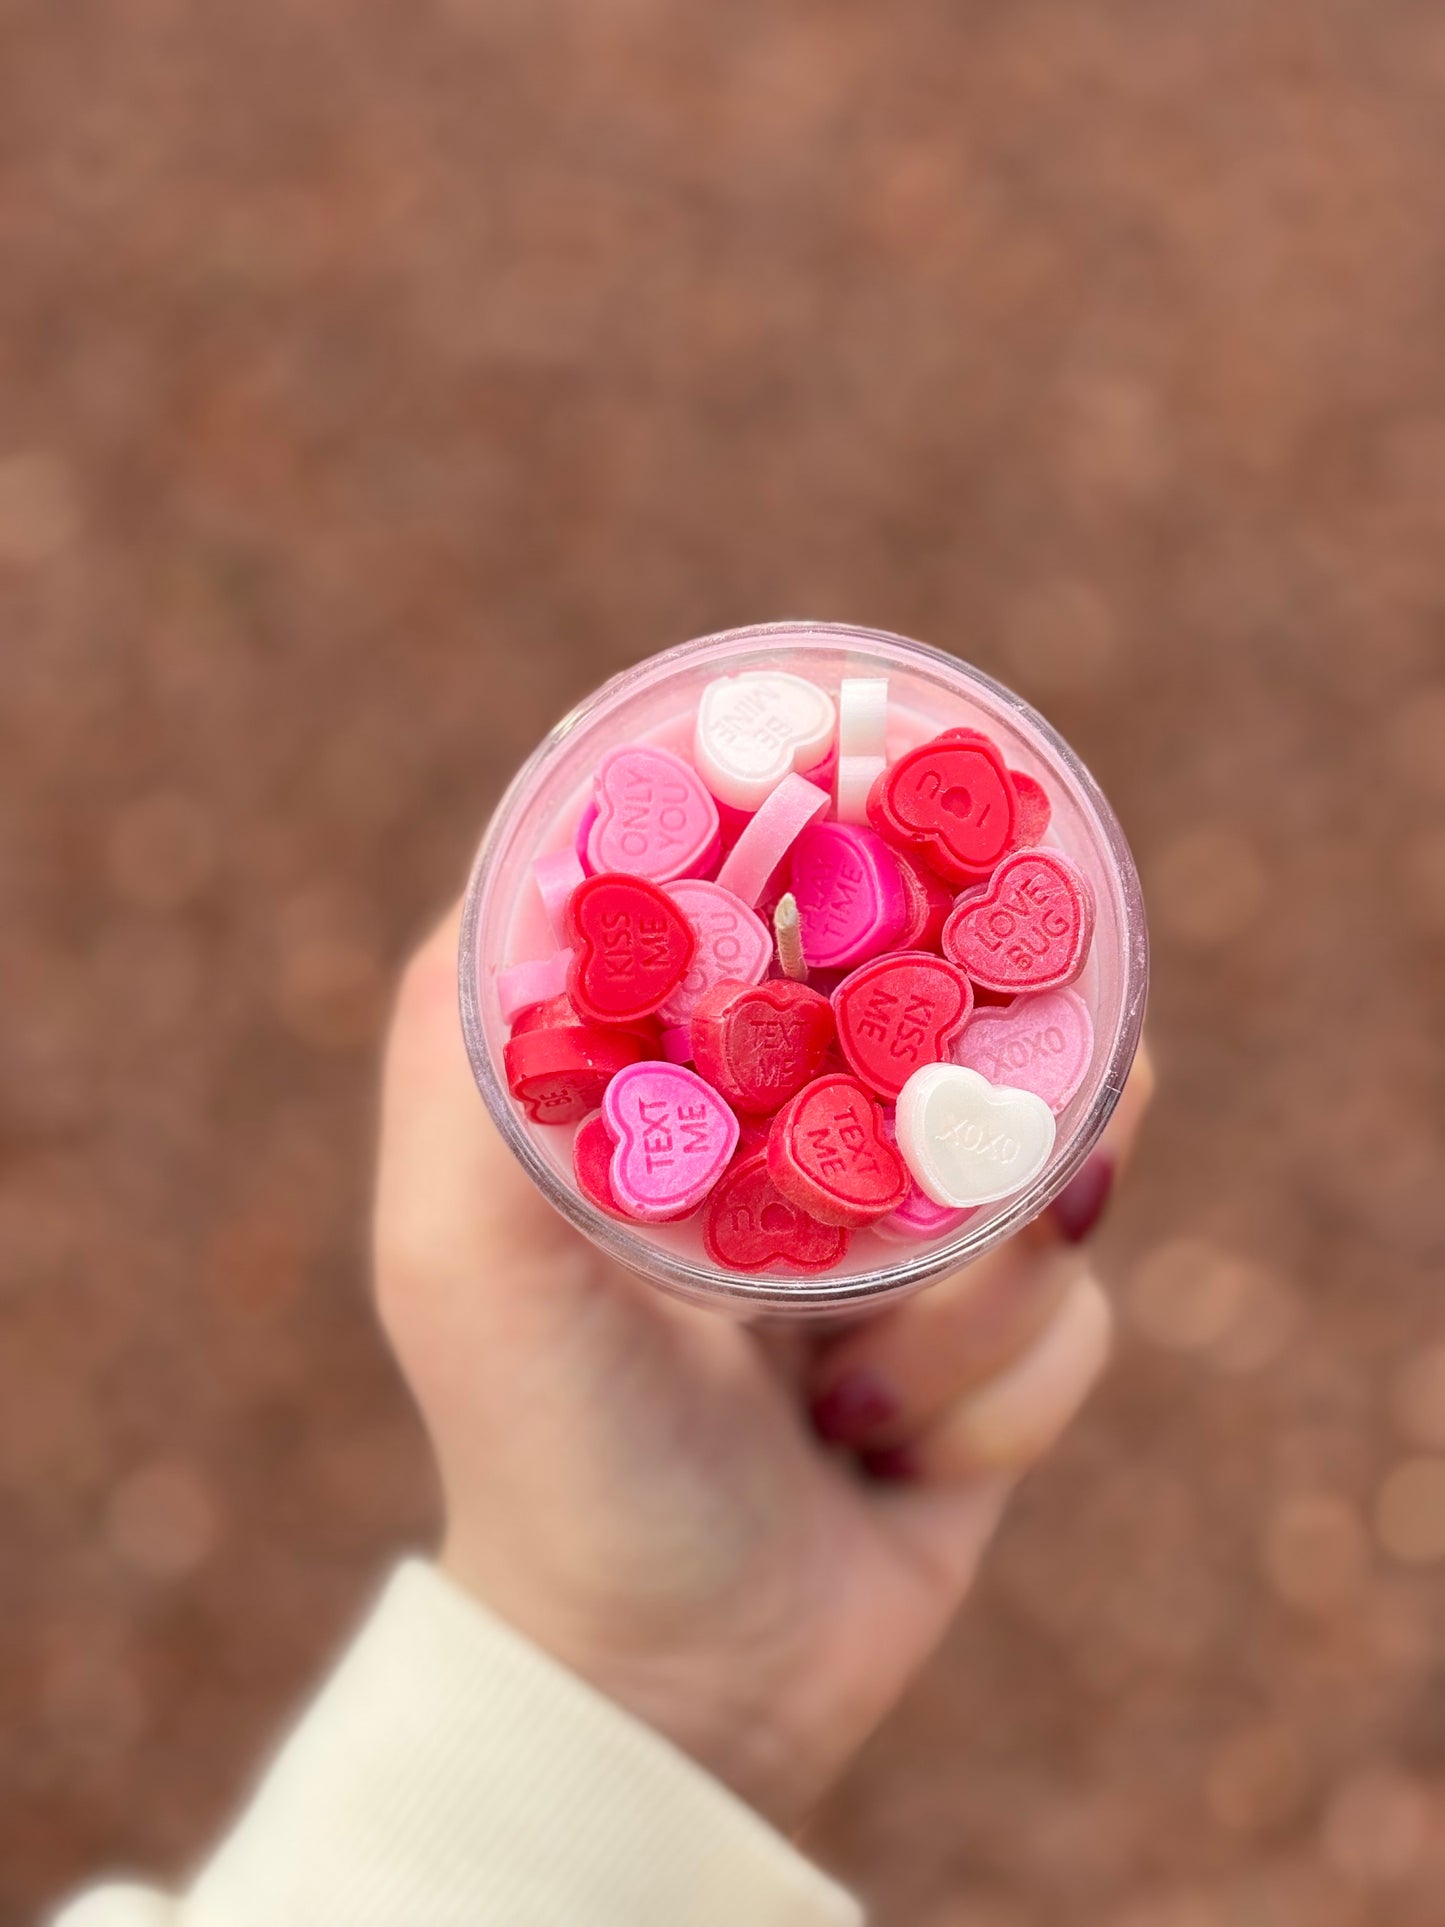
(788,931)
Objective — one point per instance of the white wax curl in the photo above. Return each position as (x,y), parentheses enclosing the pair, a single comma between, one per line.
(862,743)
(863,716)
(856,776)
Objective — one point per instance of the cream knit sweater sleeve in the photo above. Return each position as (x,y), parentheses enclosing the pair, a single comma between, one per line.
(449,1773)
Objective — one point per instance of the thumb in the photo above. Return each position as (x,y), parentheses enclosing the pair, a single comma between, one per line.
(463,1240)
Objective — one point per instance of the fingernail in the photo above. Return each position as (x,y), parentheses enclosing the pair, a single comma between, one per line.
(858,1404)
(899,1465)
(1083,1200)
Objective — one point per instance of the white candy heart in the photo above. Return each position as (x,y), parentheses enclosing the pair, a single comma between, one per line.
(967,1141)
(757,728)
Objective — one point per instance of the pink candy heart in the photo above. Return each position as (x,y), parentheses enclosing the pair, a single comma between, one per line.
(851,899)
(674,1136)
(654,817)
(1041,1044)
(734,945)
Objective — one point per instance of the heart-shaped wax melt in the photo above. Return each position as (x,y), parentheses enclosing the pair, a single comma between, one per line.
(631,948)
(1041,1044)
(760,1043)
(734,945)
(899,1012)
(654,817)
(930,903)
(673,1136)
(749,1225)
(829,1152)
(851,899)
(558,1075)
(1029,930)
(918,1219)
(592,1150)
(560,1013)
(1035,809)
(953,800)
(757,728)
(969,1142)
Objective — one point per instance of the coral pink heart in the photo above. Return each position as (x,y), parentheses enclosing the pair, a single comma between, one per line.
(829,1152)
(1029,929)
(760,1043)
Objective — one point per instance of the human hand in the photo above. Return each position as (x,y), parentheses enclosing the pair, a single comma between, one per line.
(638,1486)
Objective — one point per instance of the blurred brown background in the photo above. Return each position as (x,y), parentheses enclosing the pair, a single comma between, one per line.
(379,376)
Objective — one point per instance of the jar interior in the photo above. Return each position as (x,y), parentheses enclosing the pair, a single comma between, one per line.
(657,702)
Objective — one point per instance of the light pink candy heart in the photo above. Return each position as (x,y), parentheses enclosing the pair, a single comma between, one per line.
(674,1136)
(734,945)
(654,817)
(1041,1044)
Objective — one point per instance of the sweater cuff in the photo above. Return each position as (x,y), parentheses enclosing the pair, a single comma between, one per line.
(451,1772)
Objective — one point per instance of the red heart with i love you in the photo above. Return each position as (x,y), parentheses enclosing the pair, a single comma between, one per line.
(829,1152)
(631,948)
(749,1224)
(898,1012)
(1030,929)
(953,799)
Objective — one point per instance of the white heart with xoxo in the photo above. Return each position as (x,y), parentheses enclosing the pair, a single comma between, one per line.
(755,729)
(967,1141)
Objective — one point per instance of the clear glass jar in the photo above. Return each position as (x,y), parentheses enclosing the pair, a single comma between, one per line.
(504,924)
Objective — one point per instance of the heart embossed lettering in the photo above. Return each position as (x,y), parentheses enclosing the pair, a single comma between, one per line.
(1030,929)
(969,1142)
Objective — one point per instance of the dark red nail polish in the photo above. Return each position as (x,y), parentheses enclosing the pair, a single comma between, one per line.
(858,1404)
(899,1465)
(1082,1202)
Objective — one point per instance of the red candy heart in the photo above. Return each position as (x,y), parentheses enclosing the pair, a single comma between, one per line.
(559,1075)
(560,1013)
(929,903)
(1035,810)
(953,800)
(899,1012)
(631,946)
(828,1153)
(592,1163)
(1029,930)
(749,1224)
(757,1044)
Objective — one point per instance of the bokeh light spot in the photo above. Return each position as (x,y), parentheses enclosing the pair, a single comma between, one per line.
(1410,1512)
(162,1520)
(1316,1553)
